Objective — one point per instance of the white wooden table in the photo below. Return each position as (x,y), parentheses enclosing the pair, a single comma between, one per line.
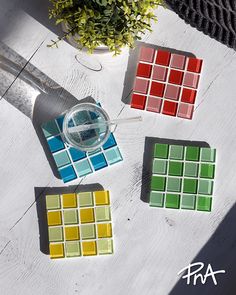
(151,246)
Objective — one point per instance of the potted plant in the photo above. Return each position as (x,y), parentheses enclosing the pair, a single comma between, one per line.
(112,24)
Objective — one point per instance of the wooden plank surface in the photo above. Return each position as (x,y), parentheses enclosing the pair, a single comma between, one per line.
(151,246)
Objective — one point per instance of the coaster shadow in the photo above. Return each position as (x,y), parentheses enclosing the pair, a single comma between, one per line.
(40,198)
(132,65)
(148,159)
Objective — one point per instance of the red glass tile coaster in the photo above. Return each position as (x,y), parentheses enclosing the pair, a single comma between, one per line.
(166,83)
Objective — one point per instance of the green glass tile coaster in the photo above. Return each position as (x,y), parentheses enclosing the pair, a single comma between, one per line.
(191,169)
(174,184)
(188,202)
(159,166)
(175,168)
(161,150)
(207,171)
(204,203)
(172,201)
(158,183)
(208,155)
(192,153)
(156,199)
(181,175)
(176,152)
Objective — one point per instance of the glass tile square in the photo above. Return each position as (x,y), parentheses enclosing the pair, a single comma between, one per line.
(70,216)
(98,162)
(105,246)
(88,231)
(174,184)
(176,152)
(85,199)
(175,168)
(204,203)
(72,233)
(156,199)
(172,201)
(55,234)
(161,150)
(102,214)
(69,200)
(191,169)
(73,249)
(188,202)
(83,168)
(104,230)
(53,202)
(159,166)
(113,155)
(87,215)
(158,183)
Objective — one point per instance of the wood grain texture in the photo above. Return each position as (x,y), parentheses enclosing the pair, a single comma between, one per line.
(151,246)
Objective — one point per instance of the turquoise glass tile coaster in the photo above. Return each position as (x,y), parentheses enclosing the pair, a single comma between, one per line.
(73,163)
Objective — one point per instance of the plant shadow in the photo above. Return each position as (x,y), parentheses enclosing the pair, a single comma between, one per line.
(148,158)
(132,65)
(219,251)
(40,199)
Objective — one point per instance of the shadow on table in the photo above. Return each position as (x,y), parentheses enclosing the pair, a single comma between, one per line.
(148,158)
(34,94)
(40,193)
(219,251)
(132,65)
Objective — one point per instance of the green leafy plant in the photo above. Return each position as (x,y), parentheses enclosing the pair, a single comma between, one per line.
(113,23)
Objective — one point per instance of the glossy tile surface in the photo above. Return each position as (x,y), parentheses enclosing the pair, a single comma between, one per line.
(79,224)
(182,177)
(163,77)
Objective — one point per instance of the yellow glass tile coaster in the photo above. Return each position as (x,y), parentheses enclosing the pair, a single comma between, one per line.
(79,224)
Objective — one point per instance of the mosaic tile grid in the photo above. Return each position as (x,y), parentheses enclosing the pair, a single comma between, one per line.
(166,83)
(182,177)
(73,163)
(79,224)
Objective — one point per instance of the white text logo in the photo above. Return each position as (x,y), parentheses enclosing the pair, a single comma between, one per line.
(193,271)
